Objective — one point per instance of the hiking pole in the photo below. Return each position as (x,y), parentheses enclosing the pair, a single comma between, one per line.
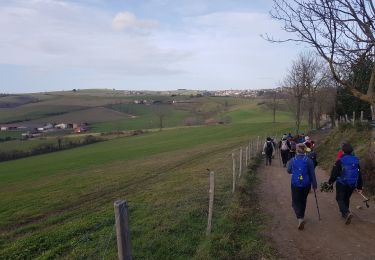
(316,200)
(365,199)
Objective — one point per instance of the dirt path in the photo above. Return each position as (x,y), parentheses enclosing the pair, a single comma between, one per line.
(328,239)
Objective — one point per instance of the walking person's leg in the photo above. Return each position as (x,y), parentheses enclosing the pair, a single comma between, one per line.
(299,205)
(342,199)
(284,156)
(270,158)
(348,194)
(304,193)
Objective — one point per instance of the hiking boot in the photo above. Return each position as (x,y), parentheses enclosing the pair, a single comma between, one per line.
(348,218)
(301,224)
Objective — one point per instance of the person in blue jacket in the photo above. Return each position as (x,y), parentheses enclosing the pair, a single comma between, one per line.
(302,169)
(347,174)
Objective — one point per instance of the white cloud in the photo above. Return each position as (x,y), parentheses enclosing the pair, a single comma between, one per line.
(214,50)
(127,20)
(57,34)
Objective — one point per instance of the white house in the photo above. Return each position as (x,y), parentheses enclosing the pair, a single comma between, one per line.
(61,126)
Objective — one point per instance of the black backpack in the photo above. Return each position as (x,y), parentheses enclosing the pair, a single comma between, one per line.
(269,148)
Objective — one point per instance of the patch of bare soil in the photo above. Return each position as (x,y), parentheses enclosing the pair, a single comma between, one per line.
(329,238)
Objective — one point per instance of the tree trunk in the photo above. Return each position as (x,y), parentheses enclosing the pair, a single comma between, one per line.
(318,115)
(311,115)
(298,114)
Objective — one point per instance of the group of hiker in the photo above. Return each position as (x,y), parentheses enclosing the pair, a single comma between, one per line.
(299,157)
(287,148)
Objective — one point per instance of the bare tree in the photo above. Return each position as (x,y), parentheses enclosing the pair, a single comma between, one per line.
(161,112)
(341,31)
(326,102)
(296,83)
(315,79)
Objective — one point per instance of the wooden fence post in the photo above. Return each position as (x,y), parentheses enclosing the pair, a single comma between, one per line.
(240,171)
(234,172)
(346,118)
(247,154)
(258,144)
(362,116)
(211,202)
(353,117)
(122,230)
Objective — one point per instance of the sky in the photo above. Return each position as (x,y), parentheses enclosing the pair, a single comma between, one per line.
(53,45)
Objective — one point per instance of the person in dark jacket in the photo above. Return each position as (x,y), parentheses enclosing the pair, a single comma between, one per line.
(310,152)
(303,177)
(292,151)
(347,174)
(268,150)
(285,148)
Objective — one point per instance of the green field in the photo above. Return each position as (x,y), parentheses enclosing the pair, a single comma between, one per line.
(11,134)
(61,204)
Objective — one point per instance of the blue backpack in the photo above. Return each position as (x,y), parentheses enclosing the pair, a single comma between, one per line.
(350,171)
(300,176)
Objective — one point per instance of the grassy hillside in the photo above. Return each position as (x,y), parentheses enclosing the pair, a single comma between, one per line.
(61,204)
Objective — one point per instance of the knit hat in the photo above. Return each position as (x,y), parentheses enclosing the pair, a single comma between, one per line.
(347,148)
(300,148)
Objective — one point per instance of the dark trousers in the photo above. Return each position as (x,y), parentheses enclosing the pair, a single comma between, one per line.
(343,193)
(284,156)
(268,159)
(292,154)
(299,199)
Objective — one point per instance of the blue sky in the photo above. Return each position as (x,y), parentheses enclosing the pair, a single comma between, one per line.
(48,45)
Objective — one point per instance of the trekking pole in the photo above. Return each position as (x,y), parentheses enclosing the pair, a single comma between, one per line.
(366,200)
(316,200)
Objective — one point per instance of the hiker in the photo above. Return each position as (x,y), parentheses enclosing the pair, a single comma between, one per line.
(284,147)
(347,174)
(303,177)
(268,150)
(292,151)
(309,143)
(274,142)
(301,139)
(310,152)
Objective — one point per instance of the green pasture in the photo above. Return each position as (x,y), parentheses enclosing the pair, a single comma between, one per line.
(30,144)
(12,134)
(236,110)
(60,204)
(33,111)
(145,118)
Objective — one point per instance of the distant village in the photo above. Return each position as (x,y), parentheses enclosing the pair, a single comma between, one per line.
(30,132)
(244,93)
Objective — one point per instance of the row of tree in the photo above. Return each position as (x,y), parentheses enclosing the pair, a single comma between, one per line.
(339,77)
(313,91)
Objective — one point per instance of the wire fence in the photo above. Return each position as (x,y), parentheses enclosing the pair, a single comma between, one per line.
(241,158)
